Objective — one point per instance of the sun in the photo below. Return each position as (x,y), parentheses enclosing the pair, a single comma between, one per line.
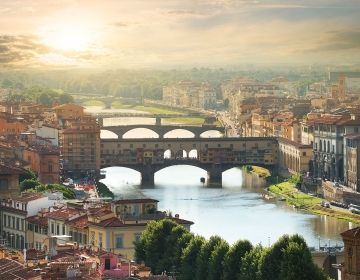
(70,36)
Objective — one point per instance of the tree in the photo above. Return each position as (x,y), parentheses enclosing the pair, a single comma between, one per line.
(216,260)
(250,264)
(65,98)
(271,265)
(27,174)
(297,264)
(189,257)
(233,259)
(29,184)
(156,244)
(204,256)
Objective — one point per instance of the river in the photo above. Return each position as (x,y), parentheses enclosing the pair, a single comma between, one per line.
(234,211)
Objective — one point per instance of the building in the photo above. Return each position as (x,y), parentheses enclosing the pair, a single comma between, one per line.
(10,125)
(37,230)
(116,231)
(70,111)
(350,269)
(329,156)
(352,163)
(49,132)
(45,162)
(295,157)
(261,124)
(80,147)
(190,94)
(14,212)
(9,180)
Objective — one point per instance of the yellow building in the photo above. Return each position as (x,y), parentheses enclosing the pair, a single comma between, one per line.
(117,230)
(294,157)
(37,231)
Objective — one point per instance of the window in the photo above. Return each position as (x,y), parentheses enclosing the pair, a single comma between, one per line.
(119,242)
(4,221)
(57,229)
(52,228)
(63,229)
(100,240)
(4,185)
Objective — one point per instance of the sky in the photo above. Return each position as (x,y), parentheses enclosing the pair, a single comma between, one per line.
(170,33)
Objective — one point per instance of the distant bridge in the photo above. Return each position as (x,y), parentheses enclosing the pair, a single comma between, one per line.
(214,155)
(161,130)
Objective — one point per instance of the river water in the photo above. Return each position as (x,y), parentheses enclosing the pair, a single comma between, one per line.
(235,211)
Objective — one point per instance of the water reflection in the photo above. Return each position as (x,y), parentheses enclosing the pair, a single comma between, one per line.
(234,211)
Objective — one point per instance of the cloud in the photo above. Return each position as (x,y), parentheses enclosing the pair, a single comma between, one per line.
(19,49)
(344,40)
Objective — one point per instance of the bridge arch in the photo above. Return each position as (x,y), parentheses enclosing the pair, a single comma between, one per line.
(174,133)
(193,153)
(211,133)
(108,134)
(140,132)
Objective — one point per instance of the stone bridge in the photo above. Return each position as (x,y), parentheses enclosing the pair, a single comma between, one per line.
(214,155)
(161,130)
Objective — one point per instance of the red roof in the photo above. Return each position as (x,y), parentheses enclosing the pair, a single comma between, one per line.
(40,221)
(9,170)
(63,214)
(352,233)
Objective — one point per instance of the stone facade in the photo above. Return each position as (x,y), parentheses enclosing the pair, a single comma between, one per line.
(190,94)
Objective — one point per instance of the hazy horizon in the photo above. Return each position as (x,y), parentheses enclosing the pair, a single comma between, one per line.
(160,34)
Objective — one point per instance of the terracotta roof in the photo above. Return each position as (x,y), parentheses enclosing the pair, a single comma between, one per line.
(353,233)
(9,170)
(136,200)
(79,222)
(293,143)
(63,214)
(12,210)
(36,220)
(113,222)
(116,222)
(328,119)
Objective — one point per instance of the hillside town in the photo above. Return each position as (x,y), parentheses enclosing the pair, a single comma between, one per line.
(47,233)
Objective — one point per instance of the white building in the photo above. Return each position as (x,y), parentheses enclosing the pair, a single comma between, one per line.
(13,213)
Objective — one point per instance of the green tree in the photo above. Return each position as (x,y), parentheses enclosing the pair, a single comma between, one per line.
(27,174)
(204,256)
(251,263)
(271,265)
(156,244)
(297,264)
(233,259)
(65,98)
(189,257)
(216,261)
(29,184)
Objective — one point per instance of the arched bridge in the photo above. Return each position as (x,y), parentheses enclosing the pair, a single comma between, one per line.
(212,154)
(161,130)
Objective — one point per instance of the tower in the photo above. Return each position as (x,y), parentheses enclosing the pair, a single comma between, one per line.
(341,86)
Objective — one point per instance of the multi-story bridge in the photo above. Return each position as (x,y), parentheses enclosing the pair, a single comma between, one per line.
(214,155)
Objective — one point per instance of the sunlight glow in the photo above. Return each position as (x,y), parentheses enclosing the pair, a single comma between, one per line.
(68,36)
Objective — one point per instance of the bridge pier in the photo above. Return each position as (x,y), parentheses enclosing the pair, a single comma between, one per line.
(215,175)
(147,176)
